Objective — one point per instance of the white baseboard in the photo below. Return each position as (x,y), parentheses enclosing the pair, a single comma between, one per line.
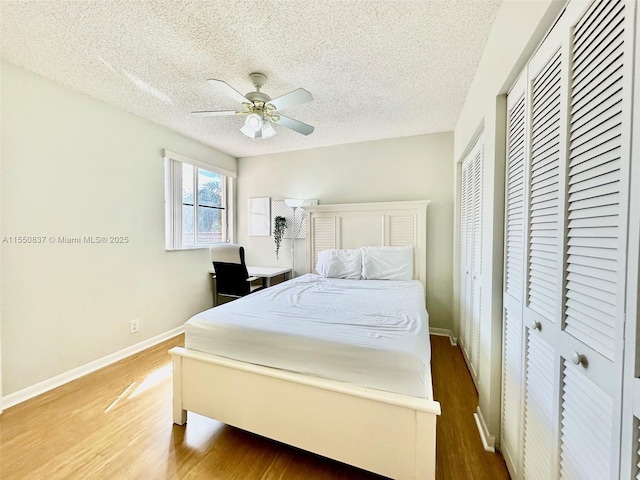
(488,441)
(444,332)
(66,377)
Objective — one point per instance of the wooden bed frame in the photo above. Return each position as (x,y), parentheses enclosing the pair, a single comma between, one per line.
(386,433)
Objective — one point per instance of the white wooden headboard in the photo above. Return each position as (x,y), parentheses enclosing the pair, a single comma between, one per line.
(355,225)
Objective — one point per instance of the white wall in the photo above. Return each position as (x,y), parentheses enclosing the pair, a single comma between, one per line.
(409,168)
(1,407)
(74,166)
(518,29)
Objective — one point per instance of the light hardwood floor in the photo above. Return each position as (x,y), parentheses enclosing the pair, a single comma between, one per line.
(116,424)
(459,452)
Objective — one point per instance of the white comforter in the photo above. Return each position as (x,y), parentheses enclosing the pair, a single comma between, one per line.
(373,333)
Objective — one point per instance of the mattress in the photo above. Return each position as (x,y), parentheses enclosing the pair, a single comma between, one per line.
(373,333)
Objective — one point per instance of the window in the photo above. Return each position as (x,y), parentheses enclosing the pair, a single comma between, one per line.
(197,206)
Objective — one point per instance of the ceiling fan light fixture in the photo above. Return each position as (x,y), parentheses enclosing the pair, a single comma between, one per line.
(264,131)
(260,109)
(254,122)
(267,130)
(250,132)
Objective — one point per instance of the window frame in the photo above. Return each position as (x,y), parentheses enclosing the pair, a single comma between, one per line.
(174,202)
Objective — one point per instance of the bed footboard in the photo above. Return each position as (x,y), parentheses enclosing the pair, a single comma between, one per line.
(389,434)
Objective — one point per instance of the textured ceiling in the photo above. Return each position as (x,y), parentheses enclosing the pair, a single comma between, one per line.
(376,69)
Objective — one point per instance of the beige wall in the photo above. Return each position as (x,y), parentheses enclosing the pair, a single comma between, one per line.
(72,165)
(409,168)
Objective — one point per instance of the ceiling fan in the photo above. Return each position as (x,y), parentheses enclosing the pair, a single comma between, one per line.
(260,109)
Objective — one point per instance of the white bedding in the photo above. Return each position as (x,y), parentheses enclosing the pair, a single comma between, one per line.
(373,333)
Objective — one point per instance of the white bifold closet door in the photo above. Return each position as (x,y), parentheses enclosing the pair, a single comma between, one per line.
(630,444)
(471,256)
(544,253)
(512,381)
(565,258)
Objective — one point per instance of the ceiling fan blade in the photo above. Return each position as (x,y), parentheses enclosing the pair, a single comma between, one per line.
(214,113)
(290,99)
(224,87)
(294,125)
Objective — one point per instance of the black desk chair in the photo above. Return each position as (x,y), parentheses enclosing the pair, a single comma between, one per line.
(232,278)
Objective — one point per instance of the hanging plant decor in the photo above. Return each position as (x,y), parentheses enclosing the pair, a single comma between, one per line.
(280,224)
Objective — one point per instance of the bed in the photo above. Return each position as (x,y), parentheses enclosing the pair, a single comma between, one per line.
(377,418)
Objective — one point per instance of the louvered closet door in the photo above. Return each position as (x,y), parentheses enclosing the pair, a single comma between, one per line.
(630,465)
(545,171)
(570,290)
(465,256)
(471,256)
(512,381)
(540,410)
(597,205)
(477,153)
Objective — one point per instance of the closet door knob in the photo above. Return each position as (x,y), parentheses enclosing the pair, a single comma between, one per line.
(536,325)
(579,359)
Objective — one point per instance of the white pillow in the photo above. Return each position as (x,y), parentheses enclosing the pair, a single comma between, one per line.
(340,264)
(387,263)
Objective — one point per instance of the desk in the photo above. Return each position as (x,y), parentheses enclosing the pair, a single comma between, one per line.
(265,273)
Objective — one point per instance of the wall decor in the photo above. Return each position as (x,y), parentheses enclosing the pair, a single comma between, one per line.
(259,217)
(295,227)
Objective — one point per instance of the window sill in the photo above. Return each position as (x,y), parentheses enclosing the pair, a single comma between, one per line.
(195,247)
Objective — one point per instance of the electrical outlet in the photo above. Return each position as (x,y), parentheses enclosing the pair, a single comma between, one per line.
(134,326)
